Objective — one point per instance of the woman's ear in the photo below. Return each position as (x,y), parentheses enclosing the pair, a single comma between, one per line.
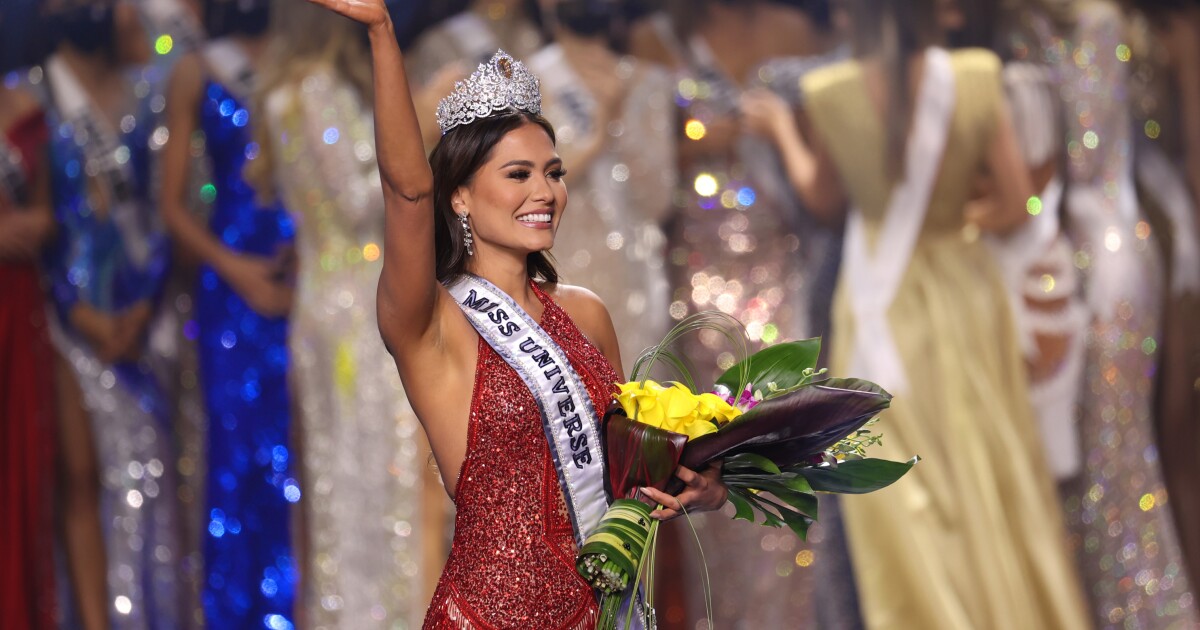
(458,201)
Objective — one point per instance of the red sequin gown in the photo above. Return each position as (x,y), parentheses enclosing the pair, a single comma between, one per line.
(512,562)
(26,427)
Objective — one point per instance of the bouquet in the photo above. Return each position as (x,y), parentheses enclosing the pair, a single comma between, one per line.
(781,431)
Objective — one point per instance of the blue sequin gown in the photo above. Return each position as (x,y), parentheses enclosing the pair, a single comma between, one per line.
(250,574)
(111,256)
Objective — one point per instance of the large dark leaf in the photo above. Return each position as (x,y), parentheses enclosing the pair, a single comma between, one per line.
(794,427)
(638,455)
(783,364)
(856,476)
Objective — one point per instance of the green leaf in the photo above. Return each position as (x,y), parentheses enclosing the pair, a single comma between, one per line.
(750,461)
(744,510)
(857,476)
(783,364)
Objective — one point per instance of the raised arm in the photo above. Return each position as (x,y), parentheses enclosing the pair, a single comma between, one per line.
(408,286)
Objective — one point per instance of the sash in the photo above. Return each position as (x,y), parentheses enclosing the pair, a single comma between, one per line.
(107,159)
(1162,181)
(873,278)
(1017,253)
(568,417)
(230,65)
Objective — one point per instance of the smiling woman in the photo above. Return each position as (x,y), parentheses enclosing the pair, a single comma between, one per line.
(473,223)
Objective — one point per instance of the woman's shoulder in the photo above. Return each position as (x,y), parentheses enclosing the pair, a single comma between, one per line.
(580,304)
(831,80)
(976,62)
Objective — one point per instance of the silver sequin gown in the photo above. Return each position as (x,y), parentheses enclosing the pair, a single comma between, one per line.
(610,239)
(364,457)
(1118,510)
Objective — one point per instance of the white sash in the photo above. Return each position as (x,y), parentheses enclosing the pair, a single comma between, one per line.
(568,417)
(873,278)
(1162,181)
(1017,253)
(107,158)
(231,66)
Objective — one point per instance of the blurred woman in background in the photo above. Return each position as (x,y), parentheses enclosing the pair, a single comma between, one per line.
(375,512)
(107,267)
(615,123)
(242,300)
(903,132)
(27,592)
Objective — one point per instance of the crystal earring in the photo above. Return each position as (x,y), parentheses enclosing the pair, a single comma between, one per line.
(468,239)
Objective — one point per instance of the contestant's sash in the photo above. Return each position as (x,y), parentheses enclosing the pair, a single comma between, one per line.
(568,417)
(873,275)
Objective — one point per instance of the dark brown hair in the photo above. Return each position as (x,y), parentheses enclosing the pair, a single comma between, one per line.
(895,30)
(455,160)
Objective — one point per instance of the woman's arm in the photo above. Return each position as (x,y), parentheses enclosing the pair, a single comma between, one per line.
(256,279)
(809,168)
(1005,208)
(24,230)
(408,287)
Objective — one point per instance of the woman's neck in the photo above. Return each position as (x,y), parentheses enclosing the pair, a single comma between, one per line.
(509,274)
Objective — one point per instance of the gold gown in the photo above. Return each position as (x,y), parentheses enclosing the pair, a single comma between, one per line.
(973,537)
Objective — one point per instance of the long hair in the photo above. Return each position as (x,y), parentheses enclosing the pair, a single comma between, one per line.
(303,37)
(895,31)
(455,160)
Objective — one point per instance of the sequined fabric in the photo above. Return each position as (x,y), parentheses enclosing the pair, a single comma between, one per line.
(1118,510)
(512,563)
(363,455)
(111,257)
(250,573)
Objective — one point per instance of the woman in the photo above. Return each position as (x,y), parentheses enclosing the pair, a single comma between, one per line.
(1124,291)
(615,127)
(26,359)
(975,536)
(478,216)
(1166,48)
(740,241)
(107,267)
(365,462)
(242,300)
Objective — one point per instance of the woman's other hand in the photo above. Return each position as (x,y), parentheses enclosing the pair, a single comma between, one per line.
(372,13)
(703,492)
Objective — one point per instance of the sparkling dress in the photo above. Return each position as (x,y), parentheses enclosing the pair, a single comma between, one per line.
(610,241)
(972,537)
(249,569)
(27,421)
(1118,509)
(363,454)
(111,258)
(512,564)
(739,241)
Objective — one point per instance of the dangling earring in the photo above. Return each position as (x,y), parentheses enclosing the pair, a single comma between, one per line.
(468,239)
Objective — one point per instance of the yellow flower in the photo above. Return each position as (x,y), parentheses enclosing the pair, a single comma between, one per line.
(674,408)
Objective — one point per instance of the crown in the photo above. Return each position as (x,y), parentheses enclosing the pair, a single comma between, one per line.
(499,84)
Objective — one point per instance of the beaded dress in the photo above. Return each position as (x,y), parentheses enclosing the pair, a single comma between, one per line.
(111,256)
(512,563)
(1118,510)
(364,458)
(250,575)
(27,419)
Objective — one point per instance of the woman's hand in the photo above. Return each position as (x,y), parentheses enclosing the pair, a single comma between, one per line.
(372,13)
(704,492)
(261,282)
(766,113)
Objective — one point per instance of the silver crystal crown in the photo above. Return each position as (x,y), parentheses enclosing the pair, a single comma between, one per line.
(499,84)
